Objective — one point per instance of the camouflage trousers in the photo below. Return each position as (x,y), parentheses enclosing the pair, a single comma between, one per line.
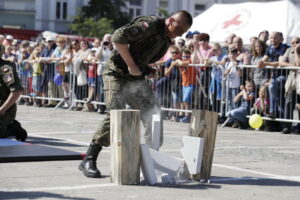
(6,119)
(137,94)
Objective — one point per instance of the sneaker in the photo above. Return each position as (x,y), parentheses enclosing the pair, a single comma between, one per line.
(272,115)
(185,120)
(86,110)
(173,118)
(286,131)
(235,125)
(178,118)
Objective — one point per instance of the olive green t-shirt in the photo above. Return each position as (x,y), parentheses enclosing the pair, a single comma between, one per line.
(147,40)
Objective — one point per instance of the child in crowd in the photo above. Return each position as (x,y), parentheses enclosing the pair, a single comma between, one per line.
(233,74)
(92,75)
(215,88)
(24,73)
(188,76)
(239,114)
(36,76)
(68,55)
(261,105)
(171,80)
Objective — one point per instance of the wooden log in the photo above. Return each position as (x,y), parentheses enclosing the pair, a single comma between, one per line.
(125,146)
(204,124)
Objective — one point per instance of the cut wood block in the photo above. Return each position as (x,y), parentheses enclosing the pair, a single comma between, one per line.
(166,163)
(204,124)
(192,151)
(125,146)
(147,165)
(156,131)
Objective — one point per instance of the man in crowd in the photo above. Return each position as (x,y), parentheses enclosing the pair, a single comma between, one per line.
(138,44)
(276,86)
(10,91)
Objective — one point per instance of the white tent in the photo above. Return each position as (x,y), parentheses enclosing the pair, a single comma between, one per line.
(249,19)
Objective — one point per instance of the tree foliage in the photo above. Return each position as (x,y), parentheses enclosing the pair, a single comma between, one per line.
(89,27)
(110,9)
(163,12)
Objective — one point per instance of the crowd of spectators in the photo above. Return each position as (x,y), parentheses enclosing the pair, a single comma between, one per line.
(57,67)
(61,68)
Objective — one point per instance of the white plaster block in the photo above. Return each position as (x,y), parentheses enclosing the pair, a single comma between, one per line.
(166,163)
(192,152)
(156,123)
(147,165)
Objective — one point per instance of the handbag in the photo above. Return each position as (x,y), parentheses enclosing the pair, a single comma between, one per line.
(290,83)
(297,82)
(82,78)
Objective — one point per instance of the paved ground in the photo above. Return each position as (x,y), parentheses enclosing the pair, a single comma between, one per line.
(247,164)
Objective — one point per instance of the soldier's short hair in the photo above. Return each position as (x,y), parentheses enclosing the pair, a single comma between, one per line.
(186,15)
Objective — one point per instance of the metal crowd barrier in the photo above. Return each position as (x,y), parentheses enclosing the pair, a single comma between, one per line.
(209,93)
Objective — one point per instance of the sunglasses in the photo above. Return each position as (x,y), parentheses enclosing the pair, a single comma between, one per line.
(186,56)
(174,52)
(295,42)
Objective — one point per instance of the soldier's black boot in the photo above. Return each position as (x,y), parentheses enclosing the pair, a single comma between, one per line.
(89,166)
(15,129)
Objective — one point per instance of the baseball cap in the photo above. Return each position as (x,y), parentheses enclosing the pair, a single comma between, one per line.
(189,34)
(94,49)
(50,38)
(14,42)
(9,37)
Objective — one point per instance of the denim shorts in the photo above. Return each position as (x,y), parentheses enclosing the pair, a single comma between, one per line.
(92,82)
(187,93)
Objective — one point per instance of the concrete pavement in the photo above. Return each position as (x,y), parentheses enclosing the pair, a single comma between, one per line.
(247,164)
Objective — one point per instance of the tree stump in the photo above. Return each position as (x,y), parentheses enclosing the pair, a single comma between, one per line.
(125,146)
(204,124)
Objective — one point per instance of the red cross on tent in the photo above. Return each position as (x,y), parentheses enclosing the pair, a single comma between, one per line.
(233,21)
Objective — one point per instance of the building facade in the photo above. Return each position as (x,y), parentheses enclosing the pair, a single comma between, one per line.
(54,15)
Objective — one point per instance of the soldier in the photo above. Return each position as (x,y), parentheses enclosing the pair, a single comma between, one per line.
(10,91)
(138,44)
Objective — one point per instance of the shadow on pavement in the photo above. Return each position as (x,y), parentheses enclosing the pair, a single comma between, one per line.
(190,185)
(247,180)
(36,195)
(51,142)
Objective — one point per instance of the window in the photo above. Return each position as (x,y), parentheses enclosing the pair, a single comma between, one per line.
(138,12)
(65,10)
(131,12)
(135,2)
(57,10)
(199,7)
(61,10)
(163,4)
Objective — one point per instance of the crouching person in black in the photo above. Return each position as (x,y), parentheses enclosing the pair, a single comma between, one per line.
(10,91)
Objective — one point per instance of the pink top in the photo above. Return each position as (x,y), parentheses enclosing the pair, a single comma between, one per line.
(257,102)
(206,53)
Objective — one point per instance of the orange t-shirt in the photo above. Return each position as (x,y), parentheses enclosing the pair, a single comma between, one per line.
(188,75)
